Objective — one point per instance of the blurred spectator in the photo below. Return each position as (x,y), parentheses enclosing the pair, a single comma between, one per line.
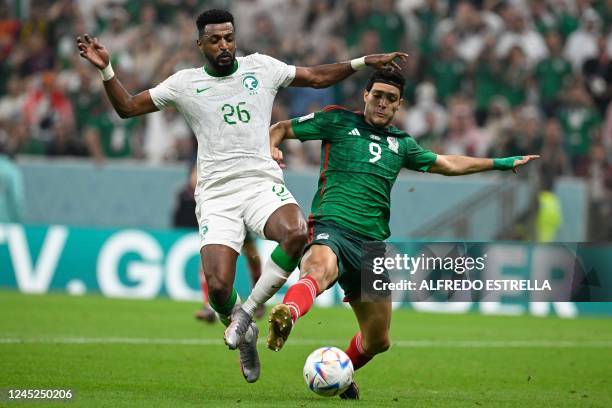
(11,187)
(35,57)
(109,136)
(184,215)
(447,69)
(165,135)
(428,15)
(11,104)
(580,120)
(582,44)
(552,74)
(514,77)
(550,213)
(522,35)
(554,162)
(598,75)
(426,119)
(597,169)
(389,24)
(45,108)
(464,137)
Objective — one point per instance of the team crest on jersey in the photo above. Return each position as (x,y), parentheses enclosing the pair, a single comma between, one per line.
(393,144)
(250,83)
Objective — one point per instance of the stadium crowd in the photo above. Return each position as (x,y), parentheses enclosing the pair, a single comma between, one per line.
(488,77)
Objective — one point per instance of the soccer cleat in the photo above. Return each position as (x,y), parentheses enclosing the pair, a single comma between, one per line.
(206,314)
(234,333)
(352,392)
(249,358)
(280,325)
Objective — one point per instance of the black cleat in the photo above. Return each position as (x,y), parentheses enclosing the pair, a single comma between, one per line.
(352,392)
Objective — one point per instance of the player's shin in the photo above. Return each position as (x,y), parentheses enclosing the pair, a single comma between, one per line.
(224,310)
(301,296)
(275,273)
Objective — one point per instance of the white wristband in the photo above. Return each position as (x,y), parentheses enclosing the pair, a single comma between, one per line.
(358,63)
(107,73)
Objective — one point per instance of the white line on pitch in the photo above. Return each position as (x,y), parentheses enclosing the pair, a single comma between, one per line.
(314,342)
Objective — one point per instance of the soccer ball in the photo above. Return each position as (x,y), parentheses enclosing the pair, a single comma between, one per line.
(328,371)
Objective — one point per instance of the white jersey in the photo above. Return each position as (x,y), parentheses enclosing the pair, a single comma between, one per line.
(230,115)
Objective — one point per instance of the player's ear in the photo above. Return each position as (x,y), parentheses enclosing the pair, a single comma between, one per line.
(365,96)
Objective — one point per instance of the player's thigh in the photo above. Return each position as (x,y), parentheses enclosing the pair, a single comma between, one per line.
(220,219)
(374,320)
(320,263)
(265,197)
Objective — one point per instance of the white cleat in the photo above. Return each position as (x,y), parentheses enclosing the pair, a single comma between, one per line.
(237,329)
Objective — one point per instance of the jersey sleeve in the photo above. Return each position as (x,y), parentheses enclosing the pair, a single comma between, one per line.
(416,158)
(311,127)
(166,93)
(282,74)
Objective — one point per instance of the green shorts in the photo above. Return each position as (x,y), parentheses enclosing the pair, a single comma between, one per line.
(347,245)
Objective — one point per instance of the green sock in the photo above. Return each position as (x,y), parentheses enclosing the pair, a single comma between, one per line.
(280,257)
(224,309)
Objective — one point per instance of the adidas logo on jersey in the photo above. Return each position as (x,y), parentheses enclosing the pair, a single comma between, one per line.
(354,132)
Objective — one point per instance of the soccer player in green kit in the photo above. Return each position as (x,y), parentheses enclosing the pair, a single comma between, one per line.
(361,157)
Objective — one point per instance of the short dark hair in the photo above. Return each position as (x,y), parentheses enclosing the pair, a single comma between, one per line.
(213,16)
(389,77)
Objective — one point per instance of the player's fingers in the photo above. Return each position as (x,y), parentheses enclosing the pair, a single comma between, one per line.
(87,38)
(395,65)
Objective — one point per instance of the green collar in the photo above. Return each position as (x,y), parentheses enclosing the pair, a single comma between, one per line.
(213,74)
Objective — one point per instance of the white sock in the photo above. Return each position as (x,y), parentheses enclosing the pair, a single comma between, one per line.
(273,277)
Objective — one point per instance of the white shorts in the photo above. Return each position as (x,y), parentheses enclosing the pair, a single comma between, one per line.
(227,210)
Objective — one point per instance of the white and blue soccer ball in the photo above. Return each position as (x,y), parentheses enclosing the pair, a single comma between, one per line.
(328,371)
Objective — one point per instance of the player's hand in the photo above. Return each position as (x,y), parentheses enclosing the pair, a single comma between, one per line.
(277,155)
(523,161)
(93,51)
(381,61)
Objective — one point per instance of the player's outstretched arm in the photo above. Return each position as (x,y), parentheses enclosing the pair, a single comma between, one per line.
(278,132)
(322,76)
(451,165)
(125,104)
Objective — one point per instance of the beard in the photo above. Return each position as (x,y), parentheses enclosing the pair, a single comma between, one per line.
(225,67)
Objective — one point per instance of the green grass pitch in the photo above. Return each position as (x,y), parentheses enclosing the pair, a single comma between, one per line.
(127,353)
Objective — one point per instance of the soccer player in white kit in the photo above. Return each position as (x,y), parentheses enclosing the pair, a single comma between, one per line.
(228,104)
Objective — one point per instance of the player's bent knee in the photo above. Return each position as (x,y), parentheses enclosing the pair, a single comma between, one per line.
(321,274)
(218,290)
(377,346)
(297,234)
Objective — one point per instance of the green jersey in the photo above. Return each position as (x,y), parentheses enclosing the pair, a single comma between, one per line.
(359,164)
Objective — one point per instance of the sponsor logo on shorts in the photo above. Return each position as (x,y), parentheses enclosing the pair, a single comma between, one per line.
(281,192)
(323,235)
(204,228)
